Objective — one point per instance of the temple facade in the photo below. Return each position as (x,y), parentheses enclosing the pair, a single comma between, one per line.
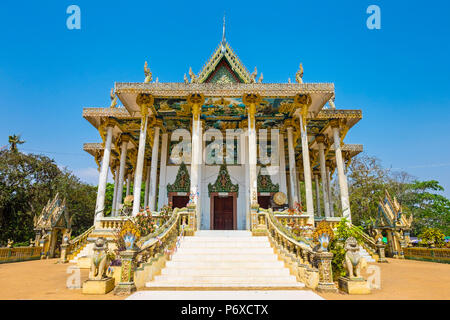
(224,142)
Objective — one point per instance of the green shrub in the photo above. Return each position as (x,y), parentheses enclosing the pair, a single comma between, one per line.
(432,237)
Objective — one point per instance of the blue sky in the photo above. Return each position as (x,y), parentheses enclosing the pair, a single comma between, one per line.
(398,76)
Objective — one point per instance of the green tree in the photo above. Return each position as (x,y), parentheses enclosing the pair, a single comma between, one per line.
(109,194)
(366,183)
(368,180)
(27,182)
(429,208)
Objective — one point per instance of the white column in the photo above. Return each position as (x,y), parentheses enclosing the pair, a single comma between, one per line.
(316,179)
(345,203)
(323,176)
(282,173)
(330,196)
(245,158)
(147,186)
(154,170)
(100,203)
(307,171)
(123,159)
(196,157)
(139,167)
(253,183)
(162,195)
(292,170)
(116,188)
(128,184)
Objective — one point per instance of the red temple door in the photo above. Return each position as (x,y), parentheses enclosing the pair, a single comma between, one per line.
(223,213)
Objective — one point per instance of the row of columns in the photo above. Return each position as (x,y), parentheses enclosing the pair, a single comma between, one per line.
(196,102)
(151,174)
(324,173)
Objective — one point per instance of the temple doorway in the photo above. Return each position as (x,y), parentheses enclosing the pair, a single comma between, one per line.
(223,212)
(180,201)
(264,201)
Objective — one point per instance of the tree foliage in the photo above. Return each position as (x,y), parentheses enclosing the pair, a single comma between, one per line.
(368,181)
(27,182)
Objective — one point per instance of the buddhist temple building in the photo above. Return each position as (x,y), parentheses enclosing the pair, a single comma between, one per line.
(224,141)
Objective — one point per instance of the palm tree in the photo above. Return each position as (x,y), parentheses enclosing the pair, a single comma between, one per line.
(14,140)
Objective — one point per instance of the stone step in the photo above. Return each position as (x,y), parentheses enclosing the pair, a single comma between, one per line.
(225,264)
(224,286)
(224,279)
(223,233)
(225,239)
(223,251)
(231,271)
(263,257)
(224,244)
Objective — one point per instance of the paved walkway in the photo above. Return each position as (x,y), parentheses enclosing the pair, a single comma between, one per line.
(226,295)
(407,280)
(42,279)
(400,279)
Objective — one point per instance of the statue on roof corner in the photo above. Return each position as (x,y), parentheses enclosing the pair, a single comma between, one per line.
(186,80)
(192,76)
(261,78)
(299,74)
(253,76)
(148,73)
(113,99)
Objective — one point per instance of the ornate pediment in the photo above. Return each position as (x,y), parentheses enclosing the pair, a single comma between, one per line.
(54,215)
(224,66)
(390,214)
(223,182)
(265,183)
(182,181)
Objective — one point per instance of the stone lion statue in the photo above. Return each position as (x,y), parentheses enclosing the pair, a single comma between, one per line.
(99,261)
(353,261)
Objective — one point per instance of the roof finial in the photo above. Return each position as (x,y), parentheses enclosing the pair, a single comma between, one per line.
(223,35)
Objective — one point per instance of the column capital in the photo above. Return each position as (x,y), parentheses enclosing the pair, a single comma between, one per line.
(144,101)
(251,100)
(335,123)
(302,102)
(109,123)
(196,100)
(320,138)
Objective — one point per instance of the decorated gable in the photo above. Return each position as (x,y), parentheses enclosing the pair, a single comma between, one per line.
(182,181)
(223,182)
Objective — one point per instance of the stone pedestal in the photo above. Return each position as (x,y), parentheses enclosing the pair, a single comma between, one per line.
(98,286)
(126,285)
(381,253)
(354,285)
(63,258)
(326,283)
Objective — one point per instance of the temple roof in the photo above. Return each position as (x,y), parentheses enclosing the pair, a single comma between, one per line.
(224,66)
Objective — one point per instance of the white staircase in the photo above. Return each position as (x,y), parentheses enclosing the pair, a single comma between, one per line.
(86,251)
(224,260)
(363,252)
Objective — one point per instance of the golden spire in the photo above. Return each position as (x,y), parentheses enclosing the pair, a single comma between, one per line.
(223,45)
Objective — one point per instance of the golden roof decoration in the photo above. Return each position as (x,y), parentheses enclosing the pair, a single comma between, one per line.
(224,51)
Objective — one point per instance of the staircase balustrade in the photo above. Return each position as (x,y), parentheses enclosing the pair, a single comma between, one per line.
(78,243)
(368,242)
